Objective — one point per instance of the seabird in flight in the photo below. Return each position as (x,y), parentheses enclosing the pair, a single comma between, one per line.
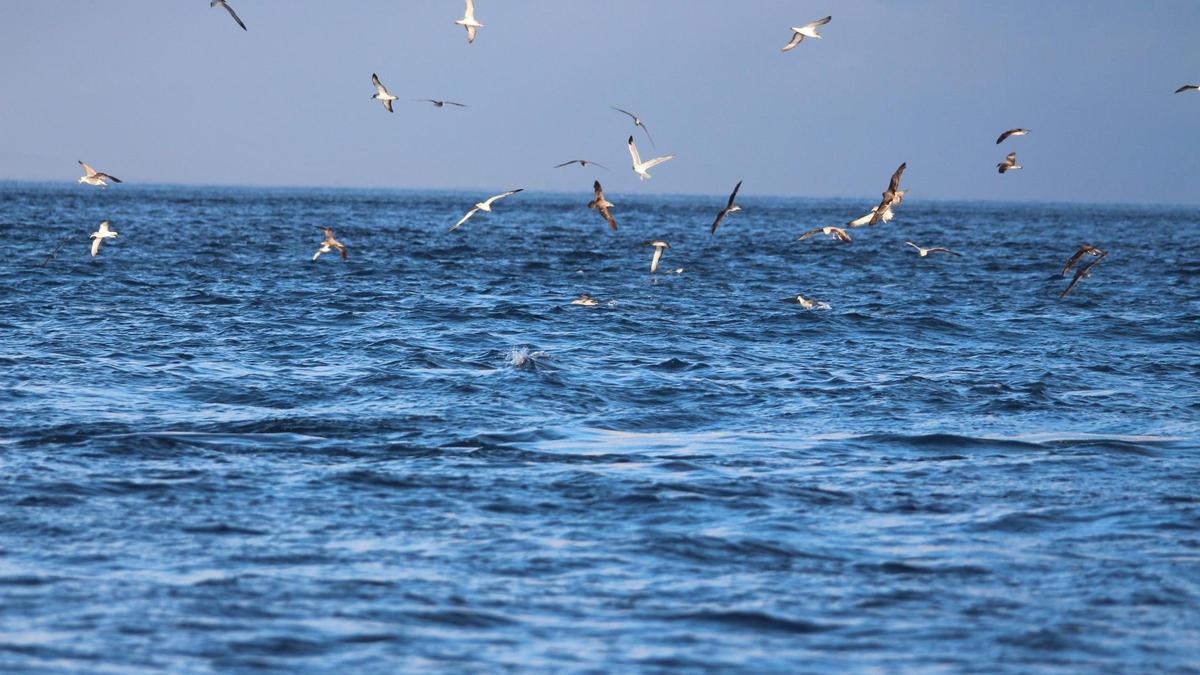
(603,205)
(729,208)
(637,122)
(1083,272)
(100,235)
(893,196)
(926,251)
(659,247)
(833,232)
(440,104)
(329,244)
(807,30)
(1009,163)
(1084,249)
(93,177)
(1186,87)
(483,206)
(640,167)
(229,9)
(580,162)
(887,216)
(1011,132)
(468,21)
(381,93)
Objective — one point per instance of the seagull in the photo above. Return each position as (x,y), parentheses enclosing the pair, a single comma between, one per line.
(603,205)
(1084,249)
(1193,87)
(585,300)
(381,93)
(833,232)
(807,30)
(1083,272)
(580,162)
(222,3)
(806,303)
(329,244)
(926,251)
(729,208)
(483,206)
(640,167)
(1009,163)
(891,197)
(659,247)
(439,104)
(93,177)
(100,235)
(1011,132)
(637,122)
(468,21)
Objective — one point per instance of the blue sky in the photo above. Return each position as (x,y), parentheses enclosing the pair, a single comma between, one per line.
(177,93)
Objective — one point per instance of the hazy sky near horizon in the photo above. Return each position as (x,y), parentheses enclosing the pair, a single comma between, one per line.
(175,92)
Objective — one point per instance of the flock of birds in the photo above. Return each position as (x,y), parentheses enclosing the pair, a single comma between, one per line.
(884,212)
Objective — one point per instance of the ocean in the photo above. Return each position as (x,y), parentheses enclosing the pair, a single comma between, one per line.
(219,455)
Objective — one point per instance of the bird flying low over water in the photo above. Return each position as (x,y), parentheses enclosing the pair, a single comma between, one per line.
(729,208)
(833,232)
(330,244)
(641,168)
(807,30)
(637,122)
(926,251)
(603,205)
(440,104)
(1011,132)
(580,162)
(891,197)
(659,247)
(1009,163)
(1186,87)
(381,93)
(1083,272)
(1084,249)
(94,177)
(483,206)
(100,235)
(887,216)
(222,3)
(468,21)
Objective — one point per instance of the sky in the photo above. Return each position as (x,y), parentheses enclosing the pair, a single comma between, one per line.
(157,91)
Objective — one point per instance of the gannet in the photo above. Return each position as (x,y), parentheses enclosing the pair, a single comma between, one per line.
(659,247)
(229,9)
(100,235)
(381,93)
(468,21)
(93,177)
(926,251)
(729,208)
(833,232)
(483,206)
(891,197)
(1011,132)
(1009,163)
(329,244)
(640,167)
(807,30)
(637,122)
(603,205)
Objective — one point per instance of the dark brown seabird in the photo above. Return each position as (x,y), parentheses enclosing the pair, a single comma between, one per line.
(729,208)
(330,244)
(891,197)
(1011,132)
(1084,249)
(603,205)
(1083,272)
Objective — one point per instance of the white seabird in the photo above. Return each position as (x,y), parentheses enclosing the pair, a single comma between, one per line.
(887,216)
(222,3)
(330,244)
(381,93)
(659,247)
(926,251)
(94,177)
(833,232)
(483,206)
(468,21)
(100,235)
(640,167)
(807,30)
(585,300)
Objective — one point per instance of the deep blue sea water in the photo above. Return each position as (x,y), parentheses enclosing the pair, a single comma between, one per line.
(216,454)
